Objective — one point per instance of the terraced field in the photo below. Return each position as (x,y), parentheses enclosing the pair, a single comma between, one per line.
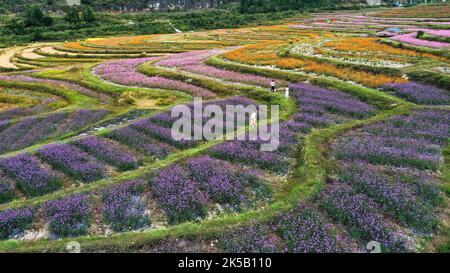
(87,154)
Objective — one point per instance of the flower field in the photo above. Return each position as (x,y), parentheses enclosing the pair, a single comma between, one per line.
(87,151)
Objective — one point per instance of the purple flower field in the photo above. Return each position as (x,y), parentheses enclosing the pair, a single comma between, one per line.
(387,175)
(396,198)
(10,134)
(161,133)
(193,62)
(82,118)
(300,230)
(305,231)
(88,92)
(235,151)
(377,151)
(385,190)
(227,75)
(43,105)
(89,150)
(188,58)
(319,107)
(159,125)
(40,131)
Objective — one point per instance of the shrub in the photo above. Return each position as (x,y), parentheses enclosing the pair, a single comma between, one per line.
(14,221)
(73,161)
(179,195)
(124,208)
(69,216)
(32,178)
(305,231)
(109,152)
(6,191)
(254,238)
(218,179)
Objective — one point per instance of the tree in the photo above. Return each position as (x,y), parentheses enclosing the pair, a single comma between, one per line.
(16,25)
(37,35)
(88,15)
(34,16)
(72,15)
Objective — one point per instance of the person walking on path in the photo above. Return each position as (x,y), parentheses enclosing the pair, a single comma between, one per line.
(286,92)
(272,85)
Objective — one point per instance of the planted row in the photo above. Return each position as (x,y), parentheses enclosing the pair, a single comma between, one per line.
(193,62)
(314,99)
(125,72)
(109,151)
(33,130)
(419,93)
(140,141)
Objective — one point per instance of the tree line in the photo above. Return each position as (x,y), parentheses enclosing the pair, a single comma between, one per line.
(263,6)
(34,16)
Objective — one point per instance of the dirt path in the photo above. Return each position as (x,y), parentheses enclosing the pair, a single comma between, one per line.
(53,51)
(5,58)
(29,54)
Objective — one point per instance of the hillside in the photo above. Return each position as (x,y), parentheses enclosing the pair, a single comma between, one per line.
(166,5)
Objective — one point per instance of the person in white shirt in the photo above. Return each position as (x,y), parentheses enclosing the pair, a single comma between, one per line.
(253,119)
(286,92)
(272,85)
